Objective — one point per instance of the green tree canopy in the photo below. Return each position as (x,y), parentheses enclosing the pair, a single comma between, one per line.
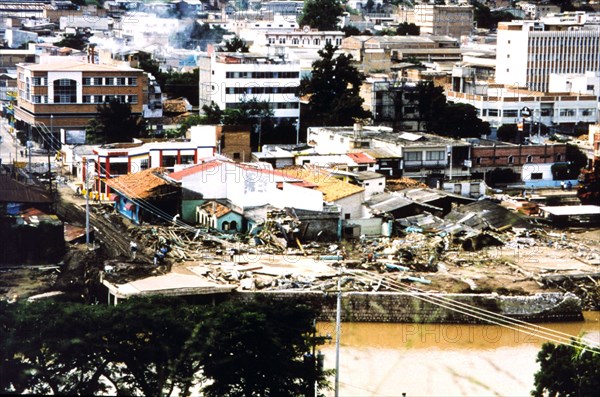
(334,88)
(156,346)
(567,371)
(114,122)
(78,42)
(507,132)
(321,14)
(235,44)
(408,29)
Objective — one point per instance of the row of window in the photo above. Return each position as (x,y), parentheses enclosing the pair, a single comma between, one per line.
(261,90)
(544,112)
(112,81)
(122,168)
(511,159)
(67,98)
(262,75)
(305,41)
(429,156)
(272,105)
(109,98)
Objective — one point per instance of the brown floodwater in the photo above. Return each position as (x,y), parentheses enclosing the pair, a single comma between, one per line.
(442,359)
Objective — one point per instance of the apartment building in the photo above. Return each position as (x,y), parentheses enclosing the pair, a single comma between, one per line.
(228,79)
(304,38)
(64,95)
(449,20)
(529,51)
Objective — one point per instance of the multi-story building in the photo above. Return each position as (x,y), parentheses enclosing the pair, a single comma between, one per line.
(304,38)
(65,95)
(529,51)
(500,104)
(449,20)
(228,79)
(422,156)
(538,10)
(391,101)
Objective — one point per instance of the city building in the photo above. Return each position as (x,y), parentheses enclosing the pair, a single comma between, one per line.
(64,95)
(529,51)
(228,79)
(304,38)
(448,20)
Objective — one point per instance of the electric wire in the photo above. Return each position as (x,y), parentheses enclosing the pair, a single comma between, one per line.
(481,314)
(484,312)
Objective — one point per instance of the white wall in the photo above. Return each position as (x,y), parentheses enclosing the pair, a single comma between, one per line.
(351,205)
(511,57)
(372,186)
(544,169)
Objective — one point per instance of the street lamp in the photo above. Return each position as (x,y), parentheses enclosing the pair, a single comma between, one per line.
(87,203)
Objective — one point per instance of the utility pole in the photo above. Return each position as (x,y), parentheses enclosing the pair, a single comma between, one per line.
(87,205)
(338,327)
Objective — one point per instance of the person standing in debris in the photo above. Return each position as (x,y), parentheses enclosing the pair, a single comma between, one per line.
(562,185)
(569,185)
(133,249)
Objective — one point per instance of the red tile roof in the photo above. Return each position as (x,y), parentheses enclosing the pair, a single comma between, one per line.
(361,158)
(141,185)
(179,175)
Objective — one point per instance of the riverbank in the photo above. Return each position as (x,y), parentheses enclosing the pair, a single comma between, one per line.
(391,307)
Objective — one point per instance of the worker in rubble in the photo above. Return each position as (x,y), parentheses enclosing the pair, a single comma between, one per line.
(133,248)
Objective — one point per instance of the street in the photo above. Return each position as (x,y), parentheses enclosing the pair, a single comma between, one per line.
(11,149)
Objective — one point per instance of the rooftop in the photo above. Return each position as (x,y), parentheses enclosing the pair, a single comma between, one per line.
(141,185)
(332,188)
(566,210)
(76,66)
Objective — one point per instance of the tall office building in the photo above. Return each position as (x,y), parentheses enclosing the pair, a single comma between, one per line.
(529,51)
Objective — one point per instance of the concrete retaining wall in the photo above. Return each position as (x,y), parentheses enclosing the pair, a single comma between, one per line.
(393,307)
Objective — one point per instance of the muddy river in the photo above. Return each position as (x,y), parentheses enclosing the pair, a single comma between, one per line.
(441,359)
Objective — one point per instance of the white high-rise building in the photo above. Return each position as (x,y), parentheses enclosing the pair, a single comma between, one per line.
(529,51)
(230,78)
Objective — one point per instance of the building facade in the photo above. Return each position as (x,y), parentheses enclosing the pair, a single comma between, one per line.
(228,79)
(449,20)
(64,95)
(529,51)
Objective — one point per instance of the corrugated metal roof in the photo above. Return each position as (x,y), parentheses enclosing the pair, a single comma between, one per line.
(12,191)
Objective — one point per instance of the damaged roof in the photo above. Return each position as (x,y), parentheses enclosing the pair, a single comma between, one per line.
(484,213)
(141,185)
(386,202)
(333,189)
(12,191)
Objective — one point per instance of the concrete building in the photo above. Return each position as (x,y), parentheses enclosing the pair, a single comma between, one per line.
(304,38)
(64,95)
(449,20)
(503,104)
(538,10)
(228,79)
(529,51)
(421,156)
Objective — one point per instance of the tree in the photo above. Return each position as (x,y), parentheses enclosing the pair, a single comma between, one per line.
(350,30)
(183,85)
(408,29)
(369,6)
(431,102)
(155,346)
(507,132)
(459,120)
(235,44)
(321,14)
(76,41)
(567,371)
(334,88)
(114,123)
(261,354)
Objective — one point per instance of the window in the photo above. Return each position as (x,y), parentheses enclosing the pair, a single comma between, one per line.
(590,87)
(529,159)
(168,161)
(87,99)
(295,41)
(37,81)
(109,81)
(36,99)
(118,169)
(237,156)
(413,156)
(346,216)
(437,155)
(65,91)
(133,99)
(478,160)
(87,81)
(511,159)
(96,80)
(567,112)
(493,112)
(98,99)
(186,159)
(536,175)
(133,81)
(144,165)
(316,42)
(587,112)
(121,81)
(511,113)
